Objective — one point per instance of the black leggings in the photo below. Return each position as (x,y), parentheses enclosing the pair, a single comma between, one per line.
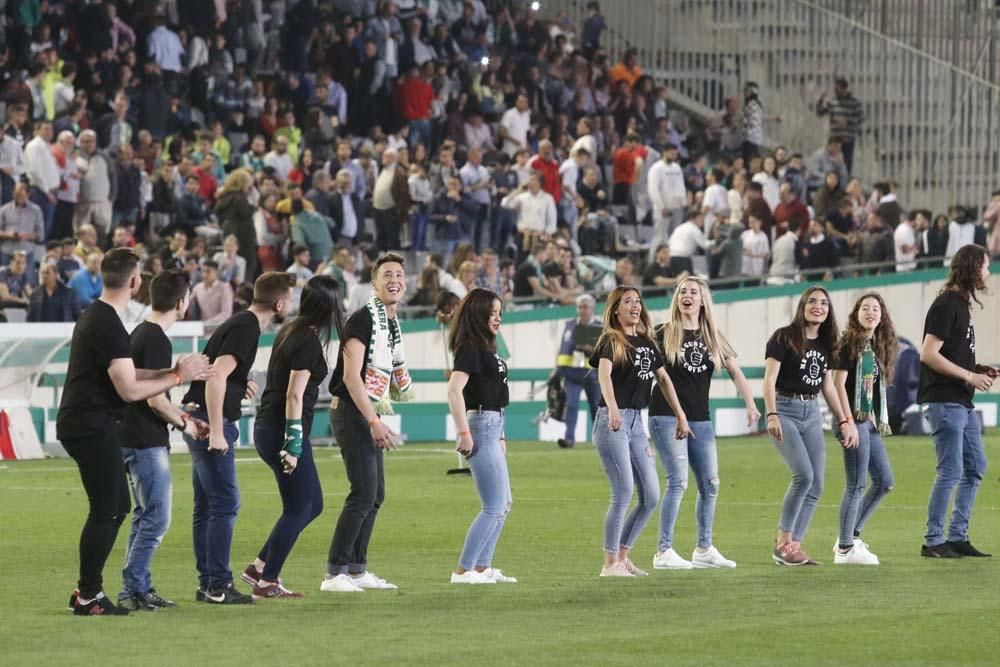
(102,470)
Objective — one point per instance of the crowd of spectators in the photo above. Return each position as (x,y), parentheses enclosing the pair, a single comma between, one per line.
(230,137)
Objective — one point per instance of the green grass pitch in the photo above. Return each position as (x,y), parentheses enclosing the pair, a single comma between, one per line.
(906,611)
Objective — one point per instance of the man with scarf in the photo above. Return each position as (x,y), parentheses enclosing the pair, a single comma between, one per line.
(370,374)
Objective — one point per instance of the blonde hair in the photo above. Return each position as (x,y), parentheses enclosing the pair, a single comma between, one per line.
(238,180)
(673,329)
(614,334)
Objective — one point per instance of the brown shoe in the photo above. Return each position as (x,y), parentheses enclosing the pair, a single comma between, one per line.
(250,575)
(273,591)
(789,553)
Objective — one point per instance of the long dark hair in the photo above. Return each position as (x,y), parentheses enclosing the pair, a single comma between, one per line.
(965,276)
(319,308)
(884,342)
(794,334)
(471,322)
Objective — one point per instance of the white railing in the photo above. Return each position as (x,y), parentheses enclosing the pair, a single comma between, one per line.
(930,125)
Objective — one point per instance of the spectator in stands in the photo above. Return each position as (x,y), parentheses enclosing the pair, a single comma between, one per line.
(667,195)
(876,244)
(753,121)
(593,26)
(887,203)
(11,164)
(312,230)
(191,210)
(529,281)
(686,241)
(768,178)
(52,301)
(536,211)
(825,160)
(114,129)
(68,262)
(627,70)
(714,202)
(236,216)
(817,255)
(826,200)
(98,186)
(545,164)
(127,203)
(790,208)
(935,240)
(413,102)
(346,209)
(515,125)
(301,261)
(279,158)
(757,207)
(212,298)
(15,284)
(21,228)
(756,248)
(232,267)
(390,201)
(87,282)
(476,182)
(846,114)
(42,172)
(253,158)
(86,242)
(727,248)
(658,272)
(450,213)
(961,231)
(905,243)
(784,264)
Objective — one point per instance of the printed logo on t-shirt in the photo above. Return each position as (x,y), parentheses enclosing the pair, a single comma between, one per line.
(644,363)
(695,357)
(970,335)
(813,366)
(501,367)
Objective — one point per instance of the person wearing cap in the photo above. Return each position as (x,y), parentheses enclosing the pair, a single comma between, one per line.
(847,114)
(573,368)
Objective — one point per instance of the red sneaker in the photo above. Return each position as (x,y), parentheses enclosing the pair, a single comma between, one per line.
(789,553)
(250,575)
(274,591)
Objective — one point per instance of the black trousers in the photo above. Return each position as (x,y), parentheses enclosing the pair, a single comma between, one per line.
(102,470)
(366,474)
(387,229)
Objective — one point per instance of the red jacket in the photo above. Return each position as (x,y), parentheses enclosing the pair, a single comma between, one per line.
(785,212)
(551,182)
(413,99)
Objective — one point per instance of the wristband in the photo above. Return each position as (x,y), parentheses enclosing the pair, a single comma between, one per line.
(770,414)
(846,421)
(293,437)
(177,377)
(467,433)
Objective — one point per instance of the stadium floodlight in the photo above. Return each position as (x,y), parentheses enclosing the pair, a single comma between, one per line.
(535,6)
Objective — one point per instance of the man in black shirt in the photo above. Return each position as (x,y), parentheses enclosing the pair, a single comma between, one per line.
(361,389)
(146,443)
(232,350)
(100,379)
(949,378)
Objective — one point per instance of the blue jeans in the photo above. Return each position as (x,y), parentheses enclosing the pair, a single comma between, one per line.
(868,458)
(961,461)
(628,462)
(675,455)
(48,210)
(418,230)
(503,224)
(420,133)
(489,470)
(804,451)
(576,380)
(149,478)
(216,503)
(301,497)
(479,224)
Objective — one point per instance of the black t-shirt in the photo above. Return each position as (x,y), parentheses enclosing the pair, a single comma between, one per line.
(949,319)
(842,361)
(487,385)
(300,351)
(151,349)
(359,325)
(238,337)
(521,285)
(633,378)
(89,401)
(799,374)
(654,271)
(692,377)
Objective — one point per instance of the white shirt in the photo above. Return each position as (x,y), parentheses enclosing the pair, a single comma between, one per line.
(12,155)
(735,206)
(537,213)
(783,257)
(586,142)
(280,162)
(570,172)
(69,175)
(63,97)
(516,123)
(43,172)
(959,235)
(771,186)
(665,183)
(905,236)
(715,203)
(754,243)
(470,175)
(166,49)
(686,240)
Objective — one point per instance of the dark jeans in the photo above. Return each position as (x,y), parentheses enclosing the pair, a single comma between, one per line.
(503,225)
(216,503)
(48,210)
(301,497)
(99,458)
(479,224)
(576,380)
(62,220)
(6,188)
(387,228)
(365,472)
(848,149)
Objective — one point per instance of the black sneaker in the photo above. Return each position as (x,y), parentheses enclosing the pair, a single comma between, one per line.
(71,605)
(965,548)
(199,596)
(99,606)
(938,551)
(227,595)
(137,602)
(157,601)
(565,444)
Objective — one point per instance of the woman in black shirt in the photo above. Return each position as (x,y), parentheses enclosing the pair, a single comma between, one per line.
(794,373)
(627,361)
(281,432)
(477,396)
(690,344)
(863,367)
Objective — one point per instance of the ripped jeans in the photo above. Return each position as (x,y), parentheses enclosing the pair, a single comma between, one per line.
(699,450)
(489,470)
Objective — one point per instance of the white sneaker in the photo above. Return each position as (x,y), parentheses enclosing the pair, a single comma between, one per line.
(859,544)
(854,556)
(670,560)
(369,581)
(471,577)
(340,584)
(710,559)
(618,569)
(498,576)
(636,572)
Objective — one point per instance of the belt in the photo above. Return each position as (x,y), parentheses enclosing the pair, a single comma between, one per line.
(480,409)
(801,397)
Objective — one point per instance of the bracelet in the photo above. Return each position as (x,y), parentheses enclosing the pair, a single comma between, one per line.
(184,422)
(177,377)
(770,414)
(467,433)
(846,421)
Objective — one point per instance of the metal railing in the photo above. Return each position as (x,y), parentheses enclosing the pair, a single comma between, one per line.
(929,124)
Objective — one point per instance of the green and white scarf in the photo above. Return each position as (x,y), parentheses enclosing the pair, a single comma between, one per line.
(864,392)
(386,376)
